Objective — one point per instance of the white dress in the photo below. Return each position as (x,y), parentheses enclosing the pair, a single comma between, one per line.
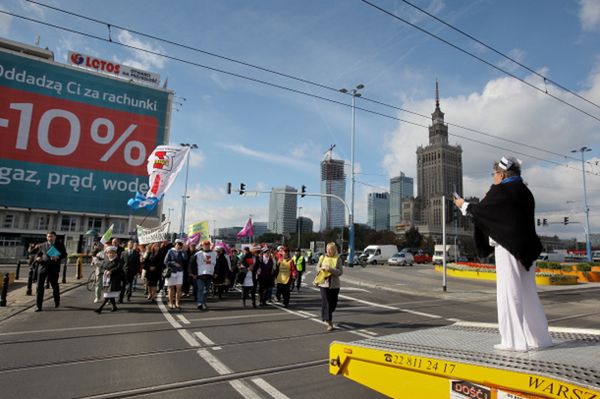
(521,319)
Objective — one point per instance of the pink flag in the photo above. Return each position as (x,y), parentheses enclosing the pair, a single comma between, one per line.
(194,239)
(248,230)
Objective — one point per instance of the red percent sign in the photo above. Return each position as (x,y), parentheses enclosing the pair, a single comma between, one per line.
(41,129)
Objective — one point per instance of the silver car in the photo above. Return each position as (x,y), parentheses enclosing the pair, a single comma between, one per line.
(401,259)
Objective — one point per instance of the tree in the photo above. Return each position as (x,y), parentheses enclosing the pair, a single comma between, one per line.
(269,237)
(413,238)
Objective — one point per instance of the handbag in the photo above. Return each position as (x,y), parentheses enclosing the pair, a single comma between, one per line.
(167,272)
(320,278)
(241,276)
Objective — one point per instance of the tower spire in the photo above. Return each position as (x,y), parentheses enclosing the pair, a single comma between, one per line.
(437,94)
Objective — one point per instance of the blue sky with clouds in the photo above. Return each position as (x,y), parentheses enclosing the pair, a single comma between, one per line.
(267,137)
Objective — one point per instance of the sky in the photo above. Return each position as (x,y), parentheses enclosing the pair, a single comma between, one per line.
(276,134)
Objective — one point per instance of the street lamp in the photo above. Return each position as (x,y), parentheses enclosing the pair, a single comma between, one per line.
(588,244)
(299,224)
(354,93)
(169,217)
(185,196)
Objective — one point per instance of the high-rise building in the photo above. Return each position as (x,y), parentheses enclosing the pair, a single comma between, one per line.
(379,211)
(333,181)
(305,225)
(282,210)
(401,187)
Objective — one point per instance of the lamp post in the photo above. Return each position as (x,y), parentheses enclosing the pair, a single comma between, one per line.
(588,244)
(299,224)
(354,93)
(185,196)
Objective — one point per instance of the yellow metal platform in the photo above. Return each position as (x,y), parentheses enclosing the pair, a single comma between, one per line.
(459,362)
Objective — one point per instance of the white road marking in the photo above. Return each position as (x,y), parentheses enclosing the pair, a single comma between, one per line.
(378,305)
(188,338)
(215,363)
(307,314)
(244,389)
(353,289)
(183,319)
(268,388)
(204,338)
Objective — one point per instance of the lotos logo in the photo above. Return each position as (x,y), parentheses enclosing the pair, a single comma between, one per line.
(76,59)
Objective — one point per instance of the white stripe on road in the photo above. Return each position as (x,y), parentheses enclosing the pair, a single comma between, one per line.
(183,319)
(378,305)
(204,338)
(244,389)
(215,363)
(307,314)
(188,338)
(268,388)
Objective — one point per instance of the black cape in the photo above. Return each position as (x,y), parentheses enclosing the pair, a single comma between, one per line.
(506,214)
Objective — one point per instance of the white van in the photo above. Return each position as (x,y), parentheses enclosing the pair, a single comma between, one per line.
(552,257)
(452,254)
(374,254)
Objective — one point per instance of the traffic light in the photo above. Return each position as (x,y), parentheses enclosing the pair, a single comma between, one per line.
(566,220)
(242,188)
(545,222)
(229,188)
(538,222)
(303,192)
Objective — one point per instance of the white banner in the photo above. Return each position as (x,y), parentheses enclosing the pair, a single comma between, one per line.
(113,68)
(154,234)
(164,164)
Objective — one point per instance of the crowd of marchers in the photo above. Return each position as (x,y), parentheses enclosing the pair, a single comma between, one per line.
(261,273)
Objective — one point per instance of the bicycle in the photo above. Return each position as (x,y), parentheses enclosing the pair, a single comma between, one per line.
(91,282)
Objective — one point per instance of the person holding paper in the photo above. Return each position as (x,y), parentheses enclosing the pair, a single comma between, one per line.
(48,255)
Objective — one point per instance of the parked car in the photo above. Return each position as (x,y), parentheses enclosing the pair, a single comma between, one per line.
(401,259)
(378,253)
(422,258)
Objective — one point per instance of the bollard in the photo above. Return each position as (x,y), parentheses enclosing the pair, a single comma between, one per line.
(64,279)
(4,290)
(79,268)
(29,281)
(18,270)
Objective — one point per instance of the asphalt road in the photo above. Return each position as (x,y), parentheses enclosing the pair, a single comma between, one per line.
(143,350)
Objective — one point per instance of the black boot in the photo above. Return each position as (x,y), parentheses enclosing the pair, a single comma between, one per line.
(99,310)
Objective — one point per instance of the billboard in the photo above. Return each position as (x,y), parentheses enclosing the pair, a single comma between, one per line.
(74,140)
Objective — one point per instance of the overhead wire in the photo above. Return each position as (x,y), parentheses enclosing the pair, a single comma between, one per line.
(286,88)
(512,75)
(489,47)
(285,75)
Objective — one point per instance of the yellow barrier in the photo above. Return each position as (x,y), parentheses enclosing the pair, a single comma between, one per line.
(11,278)
(539,280)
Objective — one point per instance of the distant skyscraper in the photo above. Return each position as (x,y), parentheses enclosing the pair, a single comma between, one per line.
(400,187)
(305,225)
(282,211)
(379,211)
(260,228)
(333,181)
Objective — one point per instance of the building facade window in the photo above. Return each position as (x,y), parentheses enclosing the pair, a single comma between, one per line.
(41,222)
(95,224)
(120,226)
(68,223)
(8,222)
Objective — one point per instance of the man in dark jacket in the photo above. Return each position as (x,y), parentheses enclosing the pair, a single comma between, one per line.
(48,255)
(504,223)
(130,259)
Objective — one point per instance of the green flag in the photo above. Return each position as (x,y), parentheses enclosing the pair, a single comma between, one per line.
(107,235)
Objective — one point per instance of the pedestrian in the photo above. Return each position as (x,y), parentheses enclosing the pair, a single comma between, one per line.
(131,261)
(153,264)
(329,270)
(504,224)
(247,277)
(175,262)
(265,274)
(284,277)
(300,262)
(221,273)
(202,270)
(112,278)
(97,259)
(48,256)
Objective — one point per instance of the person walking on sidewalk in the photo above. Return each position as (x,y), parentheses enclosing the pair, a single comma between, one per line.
(504,224)
(49,256)
(112,278)
(329,270)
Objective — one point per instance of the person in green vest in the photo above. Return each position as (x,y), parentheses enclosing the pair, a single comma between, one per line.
(300,263)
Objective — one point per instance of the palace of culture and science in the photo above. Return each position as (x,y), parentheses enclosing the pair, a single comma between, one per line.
(439,172)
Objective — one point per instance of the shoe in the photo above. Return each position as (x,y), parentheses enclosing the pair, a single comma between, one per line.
(96,300)
(98,311)
(177,307)
(120,301)
(200,307)
(330,326)
(56,305)
(38,309)
(114,309)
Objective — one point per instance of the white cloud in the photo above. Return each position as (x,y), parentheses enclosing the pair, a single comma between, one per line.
(197,158)
(511,110)
(589,14)
(268,157)
(141,59)
(33,10)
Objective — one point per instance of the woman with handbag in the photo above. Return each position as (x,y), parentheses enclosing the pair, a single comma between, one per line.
(329,270)
(175,260)
(247,277)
